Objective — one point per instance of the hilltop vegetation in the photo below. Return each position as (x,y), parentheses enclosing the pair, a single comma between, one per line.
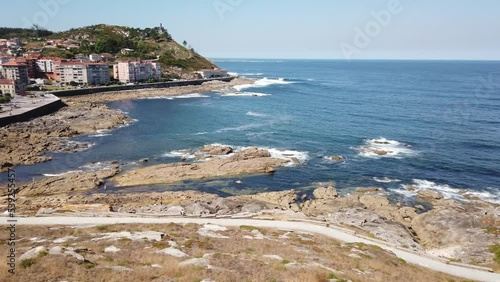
(35,31)
(147,43)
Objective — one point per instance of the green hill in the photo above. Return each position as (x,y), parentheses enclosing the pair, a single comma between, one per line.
(147,43)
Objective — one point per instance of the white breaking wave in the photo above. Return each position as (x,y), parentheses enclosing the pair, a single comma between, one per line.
(289,155)
(97,166)
(244,94)
(385,180)
(491,195)
(253,73)
(232,73)
(187,96)
(242,127)
(384,148)
(183,154)
(101,133)
(264,82)
(256,114)
(61,174)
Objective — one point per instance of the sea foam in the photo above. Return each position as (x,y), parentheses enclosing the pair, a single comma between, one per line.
(448,192)
(166,97)
(264,82)
(384,148)
(243,94)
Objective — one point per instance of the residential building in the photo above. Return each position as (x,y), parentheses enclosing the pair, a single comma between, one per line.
(14,42)
(107,57)
(3,42)
(95,58)
(45,65)
(9,86)
(32,66)
(97,73)
(129,72)
(82,73)
(211,73)
(16,71)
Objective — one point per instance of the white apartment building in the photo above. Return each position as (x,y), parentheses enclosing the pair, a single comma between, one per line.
(129,72)
(83,73)
(45,65)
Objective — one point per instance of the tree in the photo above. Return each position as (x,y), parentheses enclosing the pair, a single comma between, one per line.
(185,43)
(73,83)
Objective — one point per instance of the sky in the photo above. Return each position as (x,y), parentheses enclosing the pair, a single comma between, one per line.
(306,29)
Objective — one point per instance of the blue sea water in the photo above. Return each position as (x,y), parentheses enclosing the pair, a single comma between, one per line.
(438,121)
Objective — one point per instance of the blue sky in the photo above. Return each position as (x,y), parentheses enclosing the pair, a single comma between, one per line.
(336,29)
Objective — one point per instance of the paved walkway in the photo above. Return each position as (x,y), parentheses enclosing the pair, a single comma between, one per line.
(20,105)
(411,257)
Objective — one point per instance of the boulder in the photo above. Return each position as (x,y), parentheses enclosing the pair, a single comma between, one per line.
(172,252)
(325,193)
(251,153)
(373,201)
(55,250)
(202,262)
(337,158)
(33,253)
(111,249)
(381,152)
(429,195)
(216,150)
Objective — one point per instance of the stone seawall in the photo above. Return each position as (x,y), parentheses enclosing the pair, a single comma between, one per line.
(32,113)
(85,91)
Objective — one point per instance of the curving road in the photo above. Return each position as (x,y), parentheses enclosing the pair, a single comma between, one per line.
(411,257)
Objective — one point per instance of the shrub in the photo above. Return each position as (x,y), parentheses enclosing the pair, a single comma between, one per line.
(25,263)
(495,249)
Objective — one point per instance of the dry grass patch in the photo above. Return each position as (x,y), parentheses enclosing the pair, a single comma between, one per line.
(301,257)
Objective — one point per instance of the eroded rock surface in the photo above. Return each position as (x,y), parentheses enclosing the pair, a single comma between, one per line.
(249,161)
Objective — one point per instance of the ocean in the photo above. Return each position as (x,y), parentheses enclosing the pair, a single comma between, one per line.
(436,122)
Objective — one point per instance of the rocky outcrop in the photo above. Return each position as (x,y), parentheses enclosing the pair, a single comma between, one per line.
(33,253)
(216,150)
(285,200)
(250,161)
(172,91)
(27,142)
(427,195)
(67,183)
(461,232)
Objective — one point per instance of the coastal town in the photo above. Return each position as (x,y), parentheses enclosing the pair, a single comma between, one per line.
(174,204)
(24,69)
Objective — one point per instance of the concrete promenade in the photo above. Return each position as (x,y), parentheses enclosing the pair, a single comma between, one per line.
(25,108)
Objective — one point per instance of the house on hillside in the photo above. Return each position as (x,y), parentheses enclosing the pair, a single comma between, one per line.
(126,51)
(211,73)
(95,58)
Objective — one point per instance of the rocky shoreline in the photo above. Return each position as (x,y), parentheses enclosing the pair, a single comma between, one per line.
(147,93)
(26,143)
(459,231)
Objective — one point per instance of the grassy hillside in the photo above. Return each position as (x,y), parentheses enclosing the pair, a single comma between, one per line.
(147,43)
